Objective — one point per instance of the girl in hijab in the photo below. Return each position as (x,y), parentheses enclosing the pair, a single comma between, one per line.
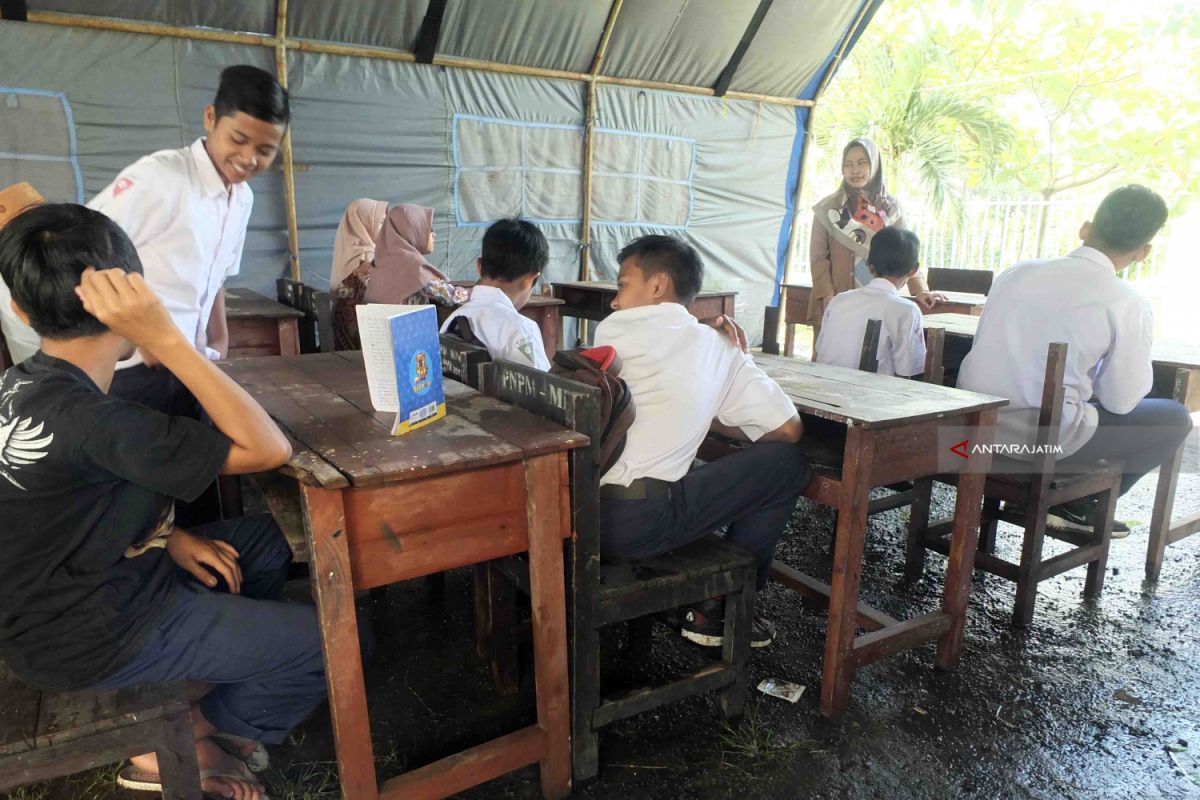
(379,257)
(843,224)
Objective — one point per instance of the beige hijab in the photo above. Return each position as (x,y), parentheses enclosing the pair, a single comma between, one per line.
(835,213)
(354,242)
(401,269)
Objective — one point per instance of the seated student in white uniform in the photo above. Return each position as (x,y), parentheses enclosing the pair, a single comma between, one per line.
(687,378)
(514,254)
(1107,326)
(21,340)
(894,258)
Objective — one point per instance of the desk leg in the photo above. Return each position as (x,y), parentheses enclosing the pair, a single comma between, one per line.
(543,482)
(289,337)
(963,541)
(1164,497)
(333,588)
(847,571)
(551,325)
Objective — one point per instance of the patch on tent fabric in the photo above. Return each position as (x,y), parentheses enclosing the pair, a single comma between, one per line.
(505,168)
(37,143)
(121,185)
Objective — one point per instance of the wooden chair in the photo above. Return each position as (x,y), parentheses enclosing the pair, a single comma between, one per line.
(868,356)
(46,735)
(1035,488)
(316,328)
(461,361)
(609,593)
(976,281)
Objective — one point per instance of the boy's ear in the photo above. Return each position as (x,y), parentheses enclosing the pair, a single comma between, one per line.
(527,281)
(20,312)
(916,268)
(661,283)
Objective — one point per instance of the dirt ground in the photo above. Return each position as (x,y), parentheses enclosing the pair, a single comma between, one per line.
(1095,700)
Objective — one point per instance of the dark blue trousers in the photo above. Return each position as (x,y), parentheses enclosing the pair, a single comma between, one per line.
(263,654)
(1144,438)
(753,491)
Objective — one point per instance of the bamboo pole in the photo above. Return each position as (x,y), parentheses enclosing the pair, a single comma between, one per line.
(585,235)
(350,50)
(853,29)
(289,167)
(150,28)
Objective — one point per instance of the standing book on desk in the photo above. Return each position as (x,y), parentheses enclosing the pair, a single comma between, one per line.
(403,358)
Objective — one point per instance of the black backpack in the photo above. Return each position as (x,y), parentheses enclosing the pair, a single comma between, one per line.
(616,401)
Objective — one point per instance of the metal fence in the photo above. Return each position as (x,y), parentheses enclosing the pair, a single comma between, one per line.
(994,234)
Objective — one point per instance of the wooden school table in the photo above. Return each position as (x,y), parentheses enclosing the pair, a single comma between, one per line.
(542,309)
(259,326)
(793,302)
(487,481)
(864,430)
(1176,377)
(593,300)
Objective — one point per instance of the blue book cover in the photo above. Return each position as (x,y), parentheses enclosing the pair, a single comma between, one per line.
(403,360)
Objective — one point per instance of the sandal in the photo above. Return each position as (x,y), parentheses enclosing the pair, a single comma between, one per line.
(140,780)
(257,761)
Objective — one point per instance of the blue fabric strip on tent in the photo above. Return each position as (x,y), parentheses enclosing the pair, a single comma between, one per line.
(799,143)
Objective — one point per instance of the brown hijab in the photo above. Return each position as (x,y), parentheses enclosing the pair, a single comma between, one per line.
(400,268)
(354,242)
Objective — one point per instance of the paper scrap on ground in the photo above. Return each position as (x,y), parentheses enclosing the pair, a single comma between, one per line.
(785,690)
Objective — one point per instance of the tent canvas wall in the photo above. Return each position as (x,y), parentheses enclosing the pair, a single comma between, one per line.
(494,126)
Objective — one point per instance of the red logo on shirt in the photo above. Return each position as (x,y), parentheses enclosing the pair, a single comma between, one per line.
(121,185)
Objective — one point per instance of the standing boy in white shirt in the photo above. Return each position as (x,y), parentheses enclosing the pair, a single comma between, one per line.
(687,379)
(186,211)
(1107,327)
(513,256)
(893,259)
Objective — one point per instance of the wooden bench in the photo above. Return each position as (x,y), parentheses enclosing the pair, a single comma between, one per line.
(629,592)
(46,735)
(1036,488)
(316,309)
(259,326)
(976,281)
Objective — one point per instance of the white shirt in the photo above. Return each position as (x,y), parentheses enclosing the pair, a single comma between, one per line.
(1079,300)
(504,331)
(189,231)
(901,339)
(21,339)
(683,374)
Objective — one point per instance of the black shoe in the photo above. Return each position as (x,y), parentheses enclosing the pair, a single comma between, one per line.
(704,624)
(1080,517)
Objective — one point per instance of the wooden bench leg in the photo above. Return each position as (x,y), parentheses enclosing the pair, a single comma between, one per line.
(918,522)
(585,697)
(1031,561)
(735,646)
(1104,525)
(789,338)
(1160,518)
(988,523)
(176,753)
(501,631)
(641,633)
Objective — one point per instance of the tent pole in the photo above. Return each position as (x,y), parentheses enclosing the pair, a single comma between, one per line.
(585,235)
(285,153)
(837,60)
(151,28)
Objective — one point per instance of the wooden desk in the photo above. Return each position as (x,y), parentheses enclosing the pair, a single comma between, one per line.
(1176,377)
(890,428)
(260,326)
(793,302)
(542,309)
(487,481)
(593,300)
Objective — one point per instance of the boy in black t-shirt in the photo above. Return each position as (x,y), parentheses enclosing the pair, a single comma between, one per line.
(97,586)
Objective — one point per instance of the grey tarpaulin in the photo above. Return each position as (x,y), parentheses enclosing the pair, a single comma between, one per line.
(472,144)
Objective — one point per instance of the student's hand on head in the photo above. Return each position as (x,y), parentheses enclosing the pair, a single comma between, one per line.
(202,557)
(734,332)
(124,303)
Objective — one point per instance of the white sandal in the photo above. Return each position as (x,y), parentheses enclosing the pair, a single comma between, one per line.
(257,761)
(141,780)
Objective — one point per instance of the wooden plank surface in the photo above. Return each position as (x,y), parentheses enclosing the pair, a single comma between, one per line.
(851,397)
(18,713)
(247,303)
(65,716)
(323,402)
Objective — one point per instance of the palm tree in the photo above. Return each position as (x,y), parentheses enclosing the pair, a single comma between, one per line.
(937,134)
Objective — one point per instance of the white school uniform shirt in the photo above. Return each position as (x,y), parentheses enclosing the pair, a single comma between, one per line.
(1079,300)
(683,375)
(901,339)
(188,228)
(505,332)
(21,339)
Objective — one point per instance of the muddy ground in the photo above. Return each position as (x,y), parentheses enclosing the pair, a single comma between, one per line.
(1095,700)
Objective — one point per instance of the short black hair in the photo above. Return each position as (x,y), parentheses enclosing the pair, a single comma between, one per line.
(43,253)
(252,91)
(1128,218)
(677,258)
(513,248)
(894,252)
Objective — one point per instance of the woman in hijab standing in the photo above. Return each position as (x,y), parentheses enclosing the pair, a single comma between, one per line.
(379,257)
(843,224)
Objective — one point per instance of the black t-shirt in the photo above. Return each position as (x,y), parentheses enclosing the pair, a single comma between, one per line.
(83,477)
